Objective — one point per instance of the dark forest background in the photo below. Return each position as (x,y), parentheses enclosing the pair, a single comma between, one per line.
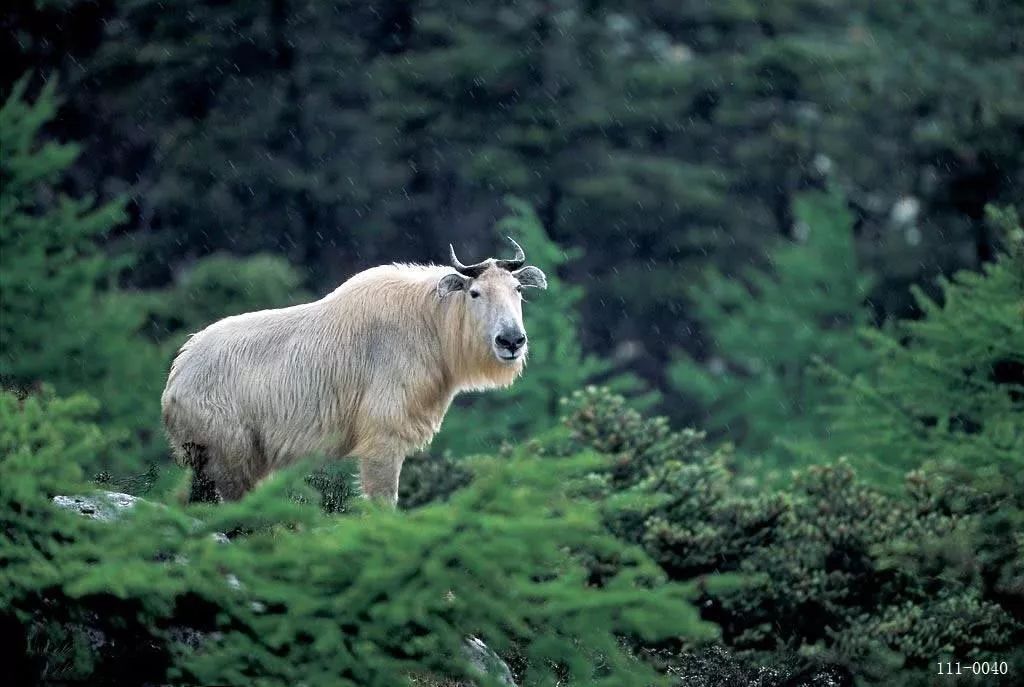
(791,225)
(658,137)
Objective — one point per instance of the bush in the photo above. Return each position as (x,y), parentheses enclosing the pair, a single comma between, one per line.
(364,599)
(428,479)
(834,568)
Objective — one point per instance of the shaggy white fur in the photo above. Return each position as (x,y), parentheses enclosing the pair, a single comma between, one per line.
(368,371)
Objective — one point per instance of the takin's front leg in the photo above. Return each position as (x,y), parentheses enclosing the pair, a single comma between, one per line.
(379,472)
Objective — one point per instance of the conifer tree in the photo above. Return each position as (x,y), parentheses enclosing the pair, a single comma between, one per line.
(766,328)
(61,320)
(659,135)
(949,386)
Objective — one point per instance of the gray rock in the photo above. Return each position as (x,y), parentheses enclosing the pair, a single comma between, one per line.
(106,506)
(109,506)
(486,662)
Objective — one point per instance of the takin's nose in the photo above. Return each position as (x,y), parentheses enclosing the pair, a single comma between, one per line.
(511,340)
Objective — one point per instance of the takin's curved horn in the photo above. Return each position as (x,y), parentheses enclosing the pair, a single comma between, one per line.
(472,271)
(516,262)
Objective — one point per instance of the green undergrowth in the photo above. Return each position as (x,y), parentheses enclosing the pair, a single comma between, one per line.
(300,596)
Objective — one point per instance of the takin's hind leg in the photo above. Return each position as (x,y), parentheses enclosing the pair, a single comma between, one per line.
(231,489)
(238,464)
(203,489)
(216,477)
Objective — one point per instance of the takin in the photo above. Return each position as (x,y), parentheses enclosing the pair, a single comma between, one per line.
(367,371)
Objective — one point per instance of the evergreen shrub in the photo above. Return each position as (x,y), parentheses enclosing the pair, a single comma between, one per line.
(834,568)
(301,597)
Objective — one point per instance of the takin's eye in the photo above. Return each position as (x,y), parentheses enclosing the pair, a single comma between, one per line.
(519,288)
(474,294)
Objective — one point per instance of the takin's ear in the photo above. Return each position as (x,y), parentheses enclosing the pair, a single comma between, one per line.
(450,283)
(531,276)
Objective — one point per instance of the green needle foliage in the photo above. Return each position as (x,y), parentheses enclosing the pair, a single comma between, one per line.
(833,567)
(299,597)
(948,387)
(61,320)
(767,328)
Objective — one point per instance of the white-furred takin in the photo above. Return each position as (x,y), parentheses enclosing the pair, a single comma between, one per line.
(367,371)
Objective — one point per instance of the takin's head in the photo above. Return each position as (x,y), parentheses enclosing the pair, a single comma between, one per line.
(493,292)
